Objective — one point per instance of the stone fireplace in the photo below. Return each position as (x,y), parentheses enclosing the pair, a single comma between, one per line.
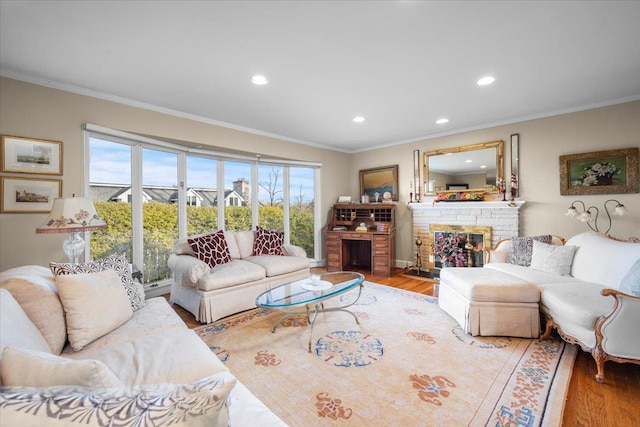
(502,220)
(459,245)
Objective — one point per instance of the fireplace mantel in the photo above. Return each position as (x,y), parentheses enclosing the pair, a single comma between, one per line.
(466,205)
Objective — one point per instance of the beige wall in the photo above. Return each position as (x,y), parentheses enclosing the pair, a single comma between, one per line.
(40,112)
(542,141)
(35,111)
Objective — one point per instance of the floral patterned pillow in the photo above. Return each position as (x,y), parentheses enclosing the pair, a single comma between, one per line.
(212,248)
(522,248)
(117,262)
(204,402)
(268,242)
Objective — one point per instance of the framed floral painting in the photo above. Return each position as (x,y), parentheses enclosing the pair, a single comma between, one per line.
(600,172)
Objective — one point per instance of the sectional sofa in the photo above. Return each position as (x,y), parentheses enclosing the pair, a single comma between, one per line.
(77,350)
(589,291)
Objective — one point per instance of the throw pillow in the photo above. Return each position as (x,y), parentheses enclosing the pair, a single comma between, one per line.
(631,282)
(94,305)
(34,288)
(201,403)
(117,262)
(553,259)
(211,249)
(268,242)
(522,247)
(30,368)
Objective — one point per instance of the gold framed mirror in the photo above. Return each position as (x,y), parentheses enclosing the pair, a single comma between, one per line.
(474,166)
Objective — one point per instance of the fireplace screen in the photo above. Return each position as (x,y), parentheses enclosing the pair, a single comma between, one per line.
(459,245)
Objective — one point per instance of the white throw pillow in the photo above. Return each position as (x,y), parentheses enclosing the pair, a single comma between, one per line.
(94,305)
(202,403)
(117,262)
(30,368)
(552,258)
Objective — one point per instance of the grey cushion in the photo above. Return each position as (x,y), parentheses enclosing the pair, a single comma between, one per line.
(552,258)
(522,248)
(631,282)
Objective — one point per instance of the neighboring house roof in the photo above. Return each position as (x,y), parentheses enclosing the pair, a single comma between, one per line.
(208,197)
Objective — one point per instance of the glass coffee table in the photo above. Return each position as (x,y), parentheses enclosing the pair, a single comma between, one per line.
(291,297)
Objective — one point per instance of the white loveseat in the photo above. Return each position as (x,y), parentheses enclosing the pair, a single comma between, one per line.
(587,307)
(149,370)
(213,293)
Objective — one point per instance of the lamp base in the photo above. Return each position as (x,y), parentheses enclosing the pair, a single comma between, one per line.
(73,246)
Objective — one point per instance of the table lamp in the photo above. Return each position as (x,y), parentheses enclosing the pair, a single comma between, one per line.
(74,216)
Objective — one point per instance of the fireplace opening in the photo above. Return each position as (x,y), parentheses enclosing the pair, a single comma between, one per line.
(458,245)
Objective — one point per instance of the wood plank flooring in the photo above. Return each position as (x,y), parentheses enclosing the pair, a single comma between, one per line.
(589,404)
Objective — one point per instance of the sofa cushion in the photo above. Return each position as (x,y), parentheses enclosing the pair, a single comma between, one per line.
(234,250)
(16,329)
(268,242)
(201,403)
(174,356)
(156,317)
(552,259)
(117,262)
(631,282)
(31,368)
(233,273)
(94,304)
(245,239)
(596,251)
(275,265)
(487,285)
(522,248)
(33,287)
(211,249)
(540,278)
(560,300)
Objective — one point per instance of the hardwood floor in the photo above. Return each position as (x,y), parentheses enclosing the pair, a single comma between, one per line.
(614,403)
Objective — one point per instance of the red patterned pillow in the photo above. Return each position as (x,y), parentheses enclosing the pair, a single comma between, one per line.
(211,248)
(268,242)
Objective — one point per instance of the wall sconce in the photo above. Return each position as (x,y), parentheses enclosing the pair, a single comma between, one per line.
(587,215)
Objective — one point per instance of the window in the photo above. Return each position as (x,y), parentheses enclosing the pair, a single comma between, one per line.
(151,192)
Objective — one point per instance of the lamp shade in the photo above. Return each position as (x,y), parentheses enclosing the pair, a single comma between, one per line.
(72,214)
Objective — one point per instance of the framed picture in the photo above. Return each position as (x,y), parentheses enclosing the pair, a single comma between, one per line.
(29,155)
(457,186)
(379,180)
(600,172)
(32,195)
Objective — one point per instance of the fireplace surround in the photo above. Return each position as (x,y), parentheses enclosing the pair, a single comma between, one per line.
(502,219)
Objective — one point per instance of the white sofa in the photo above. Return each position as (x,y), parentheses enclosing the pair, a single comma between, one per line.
(213,293)
(149,370)
(587,307)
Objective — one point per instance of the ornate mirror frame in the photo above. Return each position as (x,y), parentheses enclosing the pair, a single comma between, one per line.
(498,145)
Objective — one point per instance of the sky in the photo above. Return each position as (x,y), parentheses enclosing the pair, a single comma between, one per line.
(111,164)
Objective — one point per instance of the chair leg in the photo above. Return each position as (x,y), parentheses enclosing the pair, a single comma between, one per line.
(600,357)
(547,329)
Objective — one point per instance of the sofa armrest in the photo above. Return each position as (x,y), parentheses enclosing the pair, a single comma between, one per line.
(500,253)
(293,250)
(617,333)
(187,270)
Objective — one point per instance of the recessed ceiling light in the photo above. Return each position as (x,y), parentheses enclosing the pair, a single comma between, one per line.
(259,80)
(468,161)
(483,166)
(442,121)
(358,119)
(487,80)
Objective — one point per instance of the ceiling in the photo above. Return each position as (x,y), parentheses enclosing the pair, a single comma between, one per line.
(400,64)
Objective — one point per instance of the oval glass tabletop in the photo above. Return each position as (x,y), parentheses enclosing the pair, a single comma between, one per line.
(297,294)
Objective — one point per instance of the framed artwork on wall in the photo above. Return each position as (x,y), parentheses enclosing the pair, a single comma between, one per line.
(30,155)
(379,180)
(600,172)
(29,195)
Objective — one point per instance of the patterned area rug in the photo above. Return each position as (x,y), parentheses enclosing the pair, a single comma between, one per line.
(407,364)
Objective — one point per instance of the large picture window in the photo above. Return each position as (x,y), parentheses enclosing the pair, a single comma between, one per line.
(150,193)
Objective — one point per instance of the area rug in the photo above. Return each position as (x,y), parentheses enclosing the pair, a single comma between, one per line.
(407,363)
